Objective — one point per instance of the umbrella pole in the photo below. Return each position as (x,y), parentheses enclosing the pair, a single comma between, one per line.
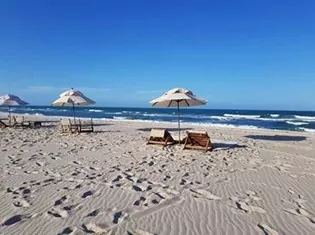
(178,117)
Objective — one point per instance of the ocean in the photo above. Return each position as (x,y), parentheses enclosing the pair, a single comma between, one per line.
(303,121)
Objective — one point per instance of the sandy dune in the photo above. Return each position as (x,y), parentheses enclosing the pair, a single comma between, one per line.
(111,182)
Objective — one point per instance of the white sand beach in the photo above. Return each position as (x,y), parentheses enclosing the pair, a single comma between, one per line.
(111,182)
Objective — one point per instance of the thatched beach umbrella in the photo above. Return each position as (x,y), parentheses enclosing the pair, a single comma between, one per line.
(178,97)
(72,98)
(11,100)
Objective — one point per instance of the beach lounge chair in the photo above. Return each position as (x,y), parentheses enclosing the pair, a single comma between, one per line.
(68,127)
(160,136)
(3,124)
(86,125)
(198,140)
(18,121)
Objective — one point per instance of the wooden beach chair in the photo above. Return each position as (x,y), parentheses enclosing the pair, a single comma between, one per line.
(86,125)
(198,140)
(160,136)
(68,127)
(3,124)
(18,121)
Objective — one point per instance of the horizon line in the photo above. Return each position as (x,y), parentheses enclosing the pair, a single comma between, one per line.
(142,107)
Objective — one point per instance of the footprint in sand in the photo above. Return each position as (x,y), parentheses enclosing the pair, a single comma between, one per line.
(15,219)
(139,232)
(21,203)
(301,212)
(61,200)
(13,190)
(72,207)
(118,178)
(88,194)
(94,213)
(156,200)
(73,187)
(95,228)
(184,182)
(58,213)
(141,188)
(94,168)
(205,194)
(55,158)
(140,201)
(132,178)
(253,195)
(267,230)
(291,191)
(68,231)
(119,216)
(40,163)
(163,195)
(249,208)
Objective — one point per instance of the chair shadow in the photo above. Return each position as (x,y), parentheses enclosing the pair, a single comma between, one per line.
(104,131)
(277,137)
(35,127)
(43,127)
(226,146)
(102,124)
(169,129)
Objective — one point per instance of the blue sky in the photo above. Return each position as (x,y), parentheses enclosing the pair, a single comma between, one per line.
(237,54)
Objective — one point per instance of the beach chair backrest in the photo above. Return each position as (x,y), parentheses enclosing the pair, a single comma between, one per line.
(198,140)
(74,122)
(160,136)
(65,122)
(200,137)
(85,125)
(19,119)
(13,119)
(66,126)
(160,133)
(85,122)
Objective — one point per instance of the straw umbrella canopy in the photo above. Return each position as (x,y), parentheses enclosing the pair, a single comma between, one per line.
(11,100)
(72,98)
(178,97)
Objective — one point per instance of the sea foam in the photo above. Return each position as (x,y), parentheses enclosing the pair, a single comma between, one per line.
(308,118)
(238,116)
(297,123)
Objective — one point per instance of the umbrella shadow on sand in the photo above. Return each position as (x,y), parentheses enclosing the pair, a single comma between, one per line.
(277,137)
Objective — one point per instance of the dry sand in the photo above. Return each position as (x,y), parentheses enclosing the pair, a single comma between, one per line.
(111,182)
